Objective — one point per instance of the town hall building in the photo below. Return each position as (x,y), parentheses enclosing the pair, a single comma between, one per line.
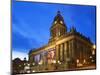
(66,50)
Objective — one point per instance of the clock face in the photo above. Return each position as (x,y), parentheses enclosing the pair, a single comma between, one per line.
(61,22)
(55,22)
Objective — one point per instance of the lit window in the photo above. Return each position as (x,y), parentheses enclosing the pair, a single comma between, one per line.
(84,61)
(90,56)
(77,60)
(93,52)
(59,33)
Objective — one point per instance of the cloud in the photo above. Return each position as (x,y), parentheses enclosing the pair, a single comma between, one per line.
(23,35)
(21,43)
(18,54)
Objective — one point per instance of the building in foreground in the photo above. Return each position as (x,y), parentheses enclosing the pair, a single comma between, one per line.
(19,66)
(66,50)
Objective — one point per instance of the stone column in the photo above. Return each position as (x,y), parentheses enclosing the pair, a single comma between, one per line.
(69,49)
(31,58)
(61,52)
(73,53)
(73,49)
(57,53)
(65,51)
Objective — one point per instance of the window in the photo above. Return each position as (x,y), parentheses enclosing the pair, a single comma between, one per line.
(59,33)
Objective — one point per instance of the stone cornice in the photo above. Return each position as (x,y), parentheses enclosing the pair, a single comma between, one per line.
(62,39)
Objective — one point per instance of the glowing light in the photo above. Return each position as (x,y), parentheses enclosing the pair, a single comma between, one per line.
(80,64)
(27,67)
(28,71)
(94,46)
(59,62)
(93,52)
(77,60)
(40,63)
(54,61)
(90,56)
(55,22)
(33,71)
(33,63)
(84,61)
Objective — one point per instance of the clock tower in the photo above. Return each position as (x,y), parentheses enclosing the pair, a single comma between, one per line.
(58,27)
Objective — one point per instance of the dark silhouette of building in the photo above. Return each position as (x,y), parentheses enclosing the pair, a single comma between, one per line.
(18,65)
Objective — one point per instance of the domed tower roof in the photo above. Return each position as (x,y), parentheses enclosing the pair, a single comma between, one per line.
(58,17)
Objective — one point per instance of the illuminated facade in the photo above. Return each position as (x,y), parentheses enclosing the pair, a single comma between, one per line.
(65,49)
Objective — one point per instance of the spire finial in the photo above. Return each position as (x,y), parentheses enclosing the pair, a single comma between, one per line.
(73,29)
(58,12)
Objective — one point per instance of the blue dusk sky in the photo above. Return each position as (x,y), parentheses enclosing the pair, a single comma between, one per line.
(31,22)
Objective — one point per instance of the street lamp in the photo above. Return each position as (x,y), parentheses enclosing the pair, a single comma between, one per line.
(59,62)
(54,61)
